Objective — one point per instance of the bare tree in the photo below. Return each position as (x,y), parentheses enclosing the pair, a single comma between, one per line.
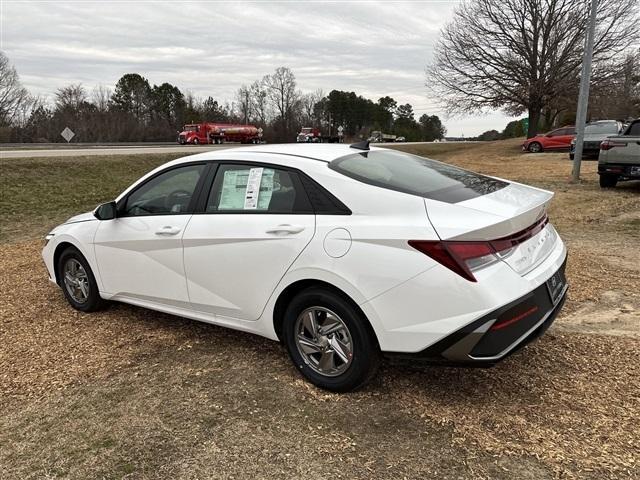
(13,96)
(71,97)
(101,97)
(244,103)
(259,102)
(282,94)
(308,102)
(519,55)
(619,95)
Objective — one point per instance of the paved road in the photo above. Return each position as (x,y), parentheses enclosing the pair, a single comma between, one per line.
(130,149)
(75,152)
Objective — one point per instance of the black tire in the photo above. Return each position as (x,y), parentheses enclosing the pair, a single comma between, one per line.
(196,141)
(535,147)
(608,181)
(93,300)
(365,359)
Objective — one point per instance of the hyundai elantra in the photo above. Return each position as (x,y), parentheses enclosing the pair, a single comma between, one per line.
(345,254)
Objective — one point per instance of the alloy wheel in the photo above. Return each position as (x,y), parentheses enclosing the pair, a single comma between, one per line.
(76,280)
(324,342)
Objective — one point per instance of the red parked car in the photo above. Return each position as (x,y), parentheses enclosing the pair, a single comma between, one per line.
(558,139)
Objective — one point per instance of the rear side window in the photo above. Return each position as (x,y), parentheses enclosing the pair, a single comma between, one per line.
(634,129)
(257,189)
(415,175)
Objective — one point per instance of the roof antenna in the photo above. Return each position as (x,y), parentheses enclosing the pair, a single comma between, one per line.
(364,145)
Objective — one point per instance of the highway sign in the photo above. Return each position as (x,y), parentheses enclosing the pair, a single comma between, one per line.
(67,134)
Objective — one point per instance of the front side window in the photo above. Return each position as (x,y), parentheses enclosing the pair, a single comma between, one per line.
(169,193)
(415,175)
(256,189)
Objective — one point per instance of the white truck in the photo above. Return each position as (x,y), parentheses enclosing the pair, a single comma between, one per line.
(619,157)
(379,137)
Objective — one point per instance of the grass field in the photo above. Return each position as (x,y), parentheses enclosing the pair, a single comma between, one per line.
(129,393)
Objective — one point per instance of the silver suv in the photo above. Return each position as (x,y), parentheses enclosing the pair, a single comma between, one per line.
(594,133)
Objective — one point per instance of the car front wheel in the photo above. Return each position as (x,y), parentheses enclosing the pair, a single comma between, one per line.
(534,147)
(608,181)
(78,282)
(330,341)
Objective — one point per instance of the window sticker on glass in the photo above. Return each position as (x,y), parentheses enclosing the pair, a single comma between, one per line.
(253,189)
(266,188)
(246,189)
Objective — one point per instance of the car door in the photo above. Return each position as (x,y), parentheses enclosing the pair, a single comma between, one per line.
(553,139)
(564,138)
(139,253)
(254,223)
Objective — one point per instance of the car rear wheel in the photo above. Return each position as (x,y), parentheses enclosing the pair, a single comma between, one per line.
(78,282)
(608,181)
(330,341)
(534,147)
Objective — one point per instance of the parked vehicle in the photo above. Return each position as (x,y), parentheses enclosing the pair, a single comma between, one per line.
(558,139)
(315,135)
(379,137)
(619,157)
(342,253)
(203,133)
(594,134)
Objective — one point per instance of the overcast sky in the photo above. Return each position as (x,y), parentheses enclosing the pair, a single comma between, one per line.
(211,48)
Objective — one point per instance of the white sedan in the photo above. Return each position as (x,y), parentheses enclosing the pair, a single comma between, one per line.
(343,253)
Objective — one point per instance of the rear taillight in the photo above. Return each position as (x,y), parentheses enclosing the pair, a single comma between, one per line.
(460,257)
(464,258)
(609,144)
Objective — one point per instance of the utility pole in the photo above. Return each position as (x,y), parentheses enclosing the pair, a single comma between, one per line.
(583,98)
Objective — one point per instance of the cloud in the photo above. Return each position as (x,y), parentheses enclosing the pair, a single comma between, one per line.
(211,48)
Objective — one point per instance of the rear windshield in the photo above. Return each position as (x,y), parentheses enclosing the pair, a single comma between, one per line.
(596,128)
(420,176)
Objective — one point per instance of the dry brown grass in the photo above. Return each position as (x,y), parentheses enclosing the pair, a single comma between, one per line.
(129,393)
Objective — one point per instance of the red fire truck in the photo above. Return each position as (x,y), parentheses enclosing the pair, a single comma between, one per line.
(203,133)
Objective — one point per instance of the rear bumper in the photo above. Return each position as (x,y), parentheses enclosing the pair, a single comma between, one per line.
(621,169)
(496,335)
(588,149)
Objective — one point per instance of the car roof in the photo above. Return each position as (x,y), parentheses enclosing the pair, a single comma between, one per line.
(325,152)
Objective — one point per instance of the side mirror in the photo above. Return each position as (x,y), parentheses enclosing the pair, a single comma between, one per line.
(106,211)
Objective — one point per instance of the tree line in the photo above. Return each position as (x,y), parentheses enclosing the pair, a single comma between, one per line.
(137,111)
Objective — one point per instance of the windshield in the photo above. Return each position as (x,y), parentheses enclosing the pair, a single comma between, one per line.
(191,128)
(596,128)
(306,130)
(415,175)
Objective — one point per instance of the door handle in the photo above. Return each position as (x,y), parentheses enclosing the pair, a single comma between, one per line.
(286,229)
(168,230)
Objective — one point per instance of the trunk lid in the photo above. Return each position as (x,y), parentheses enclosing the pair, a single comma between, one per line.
(506,212)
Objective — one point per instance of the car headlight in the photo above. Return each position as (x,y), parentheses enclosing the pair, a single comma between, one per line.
(48,237)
